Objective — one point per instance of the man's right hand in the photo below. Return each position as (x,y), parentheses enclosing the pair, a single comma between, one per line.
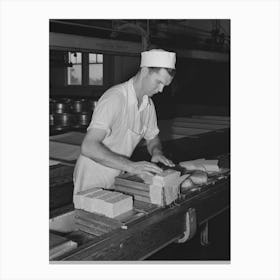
(144,167)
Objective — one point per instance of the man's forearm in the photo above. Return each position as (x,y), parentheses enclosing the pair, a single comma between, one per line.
(101,154)
(154,146)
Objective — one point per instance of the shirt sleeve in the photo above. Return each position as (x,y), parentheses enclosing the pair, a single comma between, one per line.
(152,127)
(106,112)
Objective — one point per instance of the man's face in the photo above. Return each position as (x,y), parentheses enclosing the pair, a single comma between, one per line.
(155,81)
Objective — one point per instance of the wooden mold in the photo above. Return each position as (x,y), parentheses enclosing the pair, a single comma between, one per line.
(150,189)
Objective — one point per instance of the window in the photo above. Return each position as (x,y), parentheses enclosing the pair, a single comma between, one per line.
(84,69)
(74,73)
(95,69)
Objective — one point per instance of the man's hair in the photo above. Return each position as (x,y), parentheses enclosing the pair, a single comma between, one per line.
(170,71)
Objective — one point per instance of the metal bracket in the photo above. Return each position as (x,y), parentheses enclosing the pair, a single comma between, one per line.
(204,236)
(191,226)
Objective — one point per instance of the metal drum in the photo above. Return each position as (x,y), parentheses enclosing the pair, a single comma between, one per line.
(82,119)
(52,106)
(80,106)
(51,120)
(63,120)
(66,100)
(85,118)
(61,107)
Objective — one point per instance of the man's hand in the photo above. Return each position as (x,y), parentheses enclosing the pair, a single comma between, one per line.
(161,158)
(155,150)
(144,167)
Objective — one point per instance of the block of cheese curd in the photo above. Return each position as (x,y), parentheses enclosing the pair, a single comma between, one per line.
(193,164)
(167,177)
(108,203)
(201,164)
(195,179)
(211,165)
(199,177)
(80,197)
(187,184)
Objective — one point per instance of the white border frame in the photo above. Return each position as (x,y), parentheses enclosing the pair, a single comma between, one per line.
(254,128)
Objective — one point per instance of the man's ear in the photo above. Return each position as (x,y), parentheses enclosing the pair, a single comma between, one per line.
(144,71)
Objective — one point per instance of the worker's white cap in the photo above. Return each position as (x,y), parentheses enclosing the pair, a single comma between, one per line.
(158,58)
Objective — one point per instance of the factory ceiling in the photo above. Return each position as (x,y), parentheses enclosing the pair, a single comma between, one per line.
(210,35)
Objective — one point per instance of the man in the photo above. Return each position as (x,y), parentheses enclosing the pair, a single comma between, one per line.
(123,116)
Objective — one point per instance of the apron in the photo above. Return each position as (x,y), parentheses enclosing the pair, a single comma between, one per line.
(90,174)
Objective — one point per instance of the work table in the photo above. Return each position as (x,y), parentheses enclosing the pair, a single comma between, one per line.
(157,227)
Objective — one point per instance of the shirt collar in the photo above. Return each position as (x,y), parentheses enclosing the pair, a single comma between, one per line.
(132,99)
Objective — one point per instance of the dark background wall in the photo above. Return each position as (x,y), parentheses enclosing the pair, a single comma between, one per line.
(198,84)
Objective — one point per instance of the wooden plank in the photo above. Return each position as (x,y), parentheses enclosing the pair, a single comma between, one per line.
(200,125)
(129,183)
(62,151)
(226,118)
(130,177)
(199,120)
(73,138)
(54,162)
(142,198)
(132,191)
(188,131)
(145,207)
(133,187)
(84,224)
(90,225)
(89,230)
(166,136)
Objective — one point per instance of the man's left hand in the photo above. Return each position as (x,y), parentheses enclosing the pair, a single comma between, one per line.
(161,158)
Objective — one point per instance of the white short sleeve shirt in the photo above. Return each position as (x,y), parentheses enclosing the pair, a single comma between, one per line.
(116,112)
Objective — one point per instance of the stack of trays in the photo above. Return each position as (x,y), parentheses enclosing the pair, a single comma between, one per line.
(94,224)
(133,185)
(160,189)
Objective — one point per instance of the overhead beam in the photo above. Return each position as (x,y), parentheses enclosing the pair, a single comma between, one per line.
(83,43)
(69,41)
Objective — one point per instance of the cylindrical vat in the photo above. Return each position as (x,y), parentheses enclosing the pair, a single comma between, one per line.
(51,120)
(82,119)
(64,119)
(81,105)
(61,108)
